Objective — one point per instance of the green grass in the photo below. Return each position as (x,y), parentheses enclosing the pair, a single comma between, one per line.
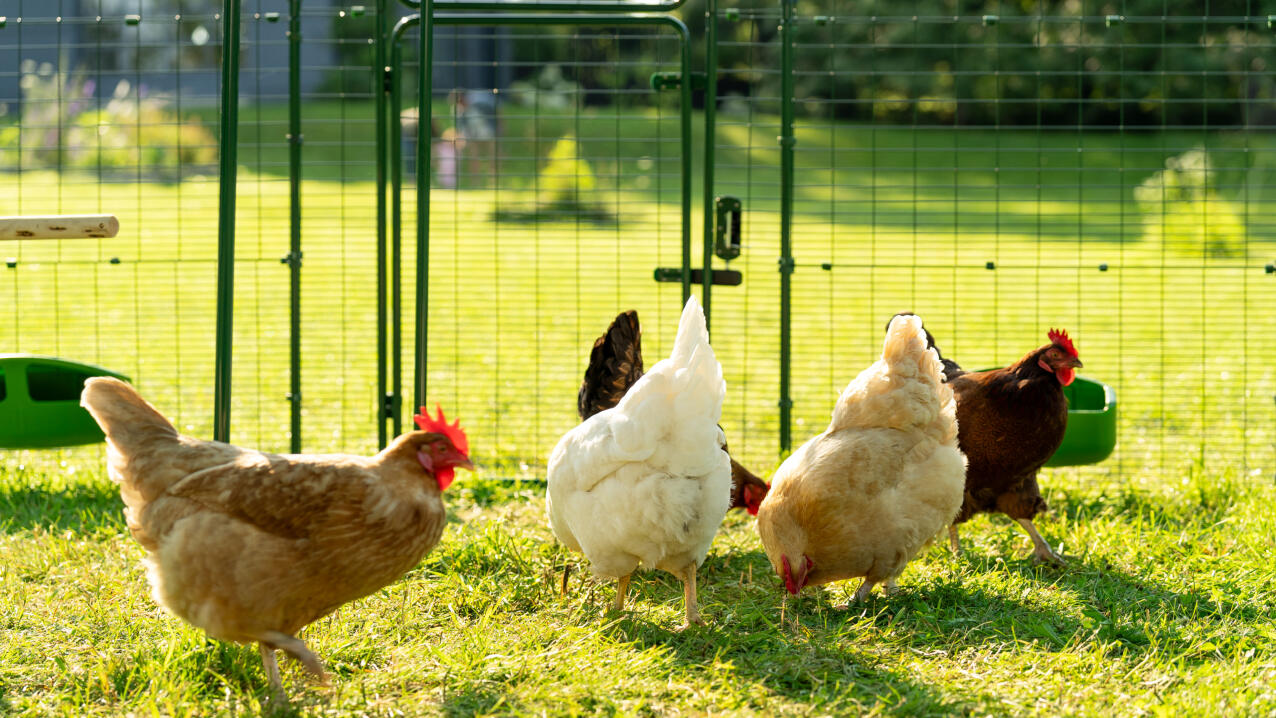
(1165,608)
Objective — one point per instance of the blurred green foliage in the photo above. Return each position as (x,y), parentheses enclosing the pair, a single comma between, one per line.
(1182,208)
(63,125)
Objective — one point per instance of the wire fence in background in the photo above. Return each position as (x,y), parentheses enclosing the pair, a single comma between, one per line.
(1101,167)
(1104,170)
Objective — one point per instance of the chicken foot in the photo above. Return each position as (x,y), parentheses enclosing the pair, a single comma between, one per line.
(293,646)
(272,671)
(622,585)
(1041,550)
(689,598)
(862,593)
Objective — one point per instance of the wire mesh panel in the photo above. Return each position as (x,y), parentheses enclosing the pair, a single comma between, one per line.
(111,106)
(106,109)
(1097,166)
(557,171)
(746,318)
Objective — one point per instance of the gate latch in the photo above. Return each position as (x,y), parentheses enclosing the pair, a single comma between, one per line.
(726,229)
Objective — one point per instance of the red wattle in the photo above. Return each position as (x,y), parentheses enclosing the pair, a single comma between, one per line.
(1066,375)
(444,476)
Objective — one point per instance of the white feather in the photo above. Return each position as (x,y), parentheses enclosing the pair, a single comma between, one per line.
(647,481)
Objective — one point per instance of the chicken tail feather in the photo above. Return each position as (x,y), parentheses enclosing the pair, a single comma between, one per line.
(615,363)
(125,417)
(137,437)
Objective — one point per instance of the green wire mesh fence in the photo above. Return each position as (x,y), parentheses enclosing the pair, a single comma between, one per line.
(1097,166)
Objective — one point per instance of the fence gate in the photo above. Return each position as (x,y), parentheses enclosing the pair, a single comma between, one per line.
(559,199)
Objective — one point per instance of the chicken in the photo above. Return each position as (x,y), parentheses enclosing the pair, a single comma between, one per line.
(252,546)
(615,363)
(648,481)
(1011,421)
(883,480)
(951,368)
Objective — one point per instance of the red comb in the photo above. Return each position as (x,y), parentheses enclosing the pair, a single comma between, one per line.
(1060,337)
(439,425)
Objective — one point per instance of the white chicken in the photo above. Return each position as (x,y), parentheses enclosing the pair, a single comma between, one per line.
(647,481)
(861,498)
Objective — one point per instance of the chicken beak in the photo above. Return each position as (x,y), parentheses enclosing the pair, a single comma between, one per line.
(1076,363)
(463,462)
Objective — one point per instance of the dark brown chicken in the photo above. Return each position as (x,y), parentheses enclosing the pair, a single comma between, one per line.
(615,363)
(1010,422)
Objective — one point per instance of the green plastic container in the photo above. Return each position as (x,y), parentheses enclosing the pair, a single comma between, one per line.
(1092,420)
(40,402)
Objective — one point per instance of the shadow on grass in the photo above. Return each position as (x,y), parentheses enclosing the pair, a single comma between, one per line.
(475,698)
(85,509)
(814,655)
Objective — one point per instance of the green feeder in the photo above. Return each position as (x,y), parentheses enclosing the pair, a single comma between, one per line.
(1092,418)
(40,402)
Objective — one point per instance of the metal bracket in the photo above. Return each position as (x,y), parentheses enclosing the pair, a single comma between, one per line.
(787,265)
(387,79)
(726,228)
(721,277)
(292,259)
(672,80)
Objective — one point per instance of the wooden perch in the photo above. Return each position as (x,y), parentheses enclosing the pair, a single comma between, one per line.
(59,226)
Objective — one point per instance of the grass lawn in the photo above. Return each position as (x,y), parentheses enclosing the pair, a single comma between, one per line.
(1165,608)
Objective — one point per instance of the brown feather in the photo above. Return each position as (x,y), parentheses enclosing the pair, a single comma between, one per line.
(243,543)
(1010,421)
(615,363)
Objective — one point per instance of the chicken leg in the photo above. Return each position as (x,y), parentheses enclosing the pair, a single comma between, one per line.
(1041,551)
(294,647)
(622,585)
(862,593)
(272,671)
(953,541)
(864,590)
(567,570)
(689,598)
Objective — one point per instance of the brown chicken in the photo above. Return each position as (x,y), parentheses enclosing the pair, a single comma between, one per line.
(615,363)
(1010,422)
(863,497)
(251,546)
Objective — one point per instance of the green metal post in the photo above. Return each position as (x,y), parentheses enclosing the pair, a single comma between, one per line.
(396,215)
(226,219)
(685,129)
(380,74)
(425,87)
(294,223)
(710,125)
(787,141)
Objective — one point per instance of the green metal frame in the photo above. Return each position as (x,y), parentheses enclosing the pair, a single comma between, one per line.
(294,238)
(420,384)
(229,142)
(389,210)
(787,142)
